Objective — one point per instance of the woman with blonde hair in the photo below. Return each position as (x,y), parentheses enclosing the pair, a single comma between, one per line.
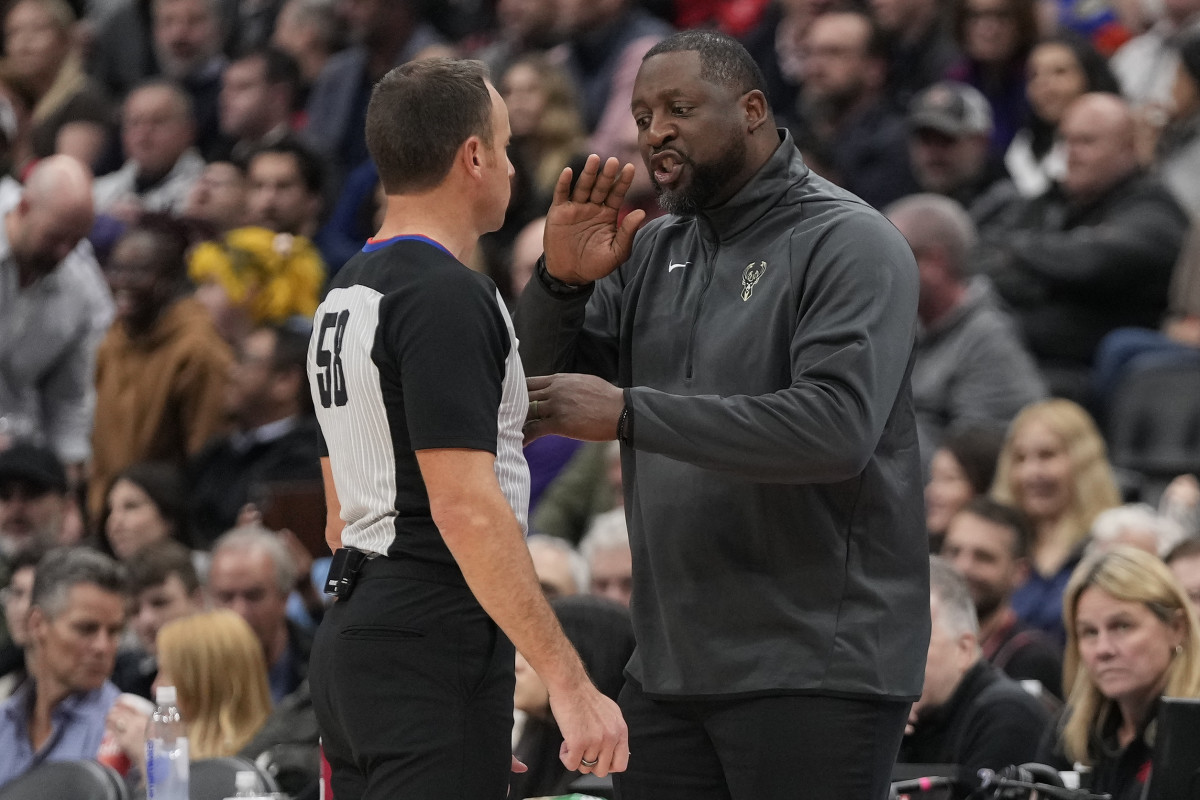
(216,664)
(1054,468)
(1132,637)
(70,112)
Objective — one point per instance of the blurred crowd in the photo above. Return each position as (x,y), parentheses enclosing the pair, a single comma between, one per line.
(180,178)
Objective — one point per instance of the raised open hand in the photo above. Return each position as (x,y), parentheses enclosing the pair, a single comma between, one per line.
(583,240)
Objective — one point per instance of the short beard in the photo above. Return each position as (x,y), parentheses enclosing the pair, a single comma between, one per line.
(708,180)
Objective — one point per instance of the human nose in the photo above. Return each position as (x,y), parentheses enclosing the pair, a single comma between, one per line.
(658,131)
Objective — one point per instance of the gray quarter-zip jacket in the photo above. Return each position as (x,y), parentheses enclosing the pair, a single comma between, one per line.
(773,486)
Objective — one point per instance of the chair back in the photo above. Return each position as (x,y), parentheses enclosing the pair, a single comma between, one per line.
(216,778)
(78,780)
(1154,424)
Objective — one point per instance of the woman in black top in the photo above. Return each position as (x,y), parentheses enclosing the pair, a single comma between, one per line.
(1132,637)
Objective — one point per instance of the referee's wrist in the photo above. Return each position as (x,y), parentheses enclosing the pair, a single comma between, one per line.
(553,284)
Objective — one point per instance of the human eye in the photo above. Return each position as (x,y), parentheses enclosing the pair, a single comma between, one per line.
(642,121)
(681,109)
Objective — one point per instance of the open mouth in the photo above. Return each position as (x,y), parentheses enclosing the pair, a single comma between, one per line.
(666,168)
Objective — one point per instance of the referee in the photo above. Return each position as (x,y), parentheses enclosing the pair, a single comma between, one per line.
(421,398)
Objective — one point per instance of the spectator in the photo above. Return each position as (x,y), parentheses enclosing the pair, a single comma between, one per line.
(949,135)
(1093,253)
(1132,637)
(547,126)
(601,631)
(252,574)
(122,48)
(844,76)
(962,468)
(1184,561)
(251,25)
(145,506)
(258,94)
(1061,69)
(970,713)
(76,615)
(255,276)
(969,365)
(920,49)
(70,111)
(158,131)
(35,501)
(187,43)
(560,569)
(605,41)
(605,548)
(1176,152)
(385,33)
(1146,64)
(1134,525)
(1055,470)
(988,545)
(55,308)
(163,370)
(523,27)
(995,37)
(15,597)
(275,436)
(310,31)
(1176,341)
(164,587)
(218,197)
(216,666)
(286,182)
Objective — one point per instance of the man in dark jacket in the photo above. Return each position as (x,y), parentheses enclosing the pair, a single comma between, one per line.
(275,441)
(970,713)
(763,332)
(1095,252)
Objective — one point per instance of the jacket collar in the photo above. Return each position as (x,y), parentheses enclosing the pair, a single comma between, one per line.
(783,170)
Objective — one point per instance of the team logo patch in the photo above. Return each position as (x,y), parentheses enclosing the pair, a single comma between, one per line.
(750,277)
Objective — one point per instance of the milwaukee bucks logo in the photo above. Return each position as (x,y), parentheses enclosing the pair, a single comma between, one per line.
(750,276)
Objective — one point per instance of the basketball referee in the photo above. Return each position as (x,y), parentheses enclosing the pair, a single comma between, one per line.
(421,397)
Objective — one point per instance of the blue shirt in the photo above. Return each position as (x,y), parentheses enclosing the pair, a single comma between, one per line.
(76,728)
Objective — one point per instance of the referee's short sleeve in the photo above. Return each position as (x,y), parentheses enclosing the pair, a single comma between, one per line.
(449,341)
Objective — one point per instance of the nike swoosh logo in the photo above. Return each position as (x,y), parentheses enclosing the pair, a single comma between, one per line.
(679,266)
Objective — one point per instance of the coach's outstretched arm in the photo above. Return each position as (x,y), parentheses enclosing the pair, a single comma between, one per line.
(485,539)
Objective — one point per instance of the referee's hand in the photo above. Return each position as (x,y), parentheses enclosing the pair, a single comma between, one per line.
(595,739)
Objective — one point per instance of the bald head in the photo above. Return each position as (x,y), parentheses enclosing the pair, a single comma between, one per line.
(63,184)
(54,213)
(1098,131)
(941,236)
(932,220)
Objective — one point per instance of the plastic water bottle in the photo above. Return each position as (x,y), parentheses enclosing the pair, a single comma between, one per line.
(166,750)
(246,785)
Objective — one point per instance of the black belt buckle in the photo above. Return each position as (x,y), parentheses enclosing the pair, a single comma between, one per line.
(343,571)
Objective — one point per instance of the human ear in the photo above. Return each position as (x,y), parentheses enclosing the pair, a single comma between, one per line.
(754,106)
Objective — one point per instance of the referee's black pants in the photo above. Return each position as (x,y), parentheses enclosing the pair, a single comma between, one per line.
(413,688)
(778,747)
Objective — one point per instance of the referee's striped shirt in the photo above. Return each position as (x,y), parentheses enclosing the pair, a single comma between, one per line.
(410,351)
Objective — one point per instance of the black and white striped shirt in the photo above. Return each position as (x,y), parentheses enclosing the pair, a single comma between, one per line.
(411,351)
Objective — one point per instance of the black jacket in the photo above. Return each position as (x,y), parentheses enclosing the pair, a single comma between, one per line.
(989,722)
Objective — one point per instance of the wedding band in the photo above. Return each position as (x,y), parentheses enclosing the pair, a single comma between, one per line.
(120,726)
(536,415)
(584,761)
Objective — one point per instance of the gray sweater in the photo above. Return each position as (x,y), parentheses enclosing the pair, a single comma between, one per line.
(773,486)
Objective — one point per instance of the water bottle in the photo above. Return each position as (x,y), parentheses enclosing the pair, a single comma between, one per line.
(166,750)
(246,787)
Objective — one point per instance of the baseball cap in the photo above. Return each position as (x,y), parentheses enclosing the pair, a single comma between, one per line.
(37,465)
(952,108)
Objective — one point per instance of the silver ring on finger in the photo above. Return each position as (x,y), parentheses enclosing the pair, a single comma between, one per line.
(586,763)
